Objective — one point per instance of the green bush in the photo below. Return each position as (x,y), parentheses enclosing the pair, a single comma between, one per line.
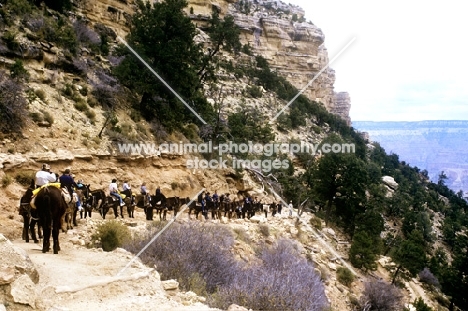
(67,90)
(246,49)
(254,91)
(344,276)
(36,117)
(90,114)
(92,102)
(81,106)
(48,117)
(18,72)
(6,180)
(10,40)
(24,177)
(84,90)
(190,131)
(111,234)
(316,223)
(19,7)
(420,305)
(41,94)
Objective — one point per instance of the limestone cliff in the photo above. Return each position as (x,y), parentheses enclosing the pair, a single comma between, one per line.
(342,105)
(275,30)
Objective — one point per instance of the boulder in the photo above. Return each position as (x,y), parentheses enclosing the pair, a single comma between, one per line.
(23,291)
(17,258)
(235,307)
(7,274)
(257,219)
(329,231)
(390,182)
(170,284)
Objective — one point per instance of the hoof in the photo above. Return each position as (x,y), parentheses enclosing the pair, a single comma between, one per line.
(36,241)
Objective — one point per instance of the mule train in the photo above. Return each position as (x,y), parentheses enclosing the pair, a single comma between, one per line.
(97,200)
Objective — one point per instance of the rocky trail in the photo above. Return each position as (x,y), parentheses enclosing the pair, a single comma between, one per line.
(81,278)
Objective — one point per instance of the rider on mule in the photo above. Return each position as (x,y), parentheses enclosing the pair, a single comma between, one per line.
(44,176)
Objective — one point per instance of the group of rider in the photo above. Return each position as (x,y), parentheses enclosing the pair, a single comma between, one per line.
(66,180)
(204,198)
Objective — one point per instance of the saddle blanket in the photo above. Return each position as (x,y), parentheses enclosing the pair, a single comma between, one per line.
(54,184)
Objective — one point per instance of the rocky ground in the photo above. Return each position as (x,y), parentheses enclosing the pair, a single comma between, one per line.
(80,277)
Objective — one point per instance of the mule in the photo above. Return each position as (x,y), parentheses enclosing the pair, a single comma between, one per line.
(158,202)
(197,208)
(228,207)
(30,218)
(50,207)
(143,201)
(173,204)
(86,200)
(70,212)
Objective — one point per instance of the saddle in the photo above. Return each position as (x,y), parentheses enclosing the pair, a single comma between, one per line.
(69,198)
(36,191)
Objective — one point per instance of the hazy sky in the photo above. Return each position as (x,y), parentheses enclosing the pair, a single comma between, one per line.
(408,61)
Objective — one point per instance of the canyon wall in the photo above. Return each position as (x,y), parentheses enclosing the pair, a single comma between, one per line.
(278,31)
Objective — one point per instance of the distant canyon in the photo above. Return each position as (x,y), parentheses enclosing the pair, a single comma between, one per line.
(435,146)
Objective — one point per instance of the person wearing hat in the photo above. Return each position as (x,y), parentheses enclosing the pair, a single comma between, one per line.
(44,176)
(67,181)
(114,191)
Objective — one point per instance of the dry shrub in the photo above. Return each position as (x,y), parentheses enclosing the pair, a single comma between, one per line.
(284,280)
(184,250)
(379,295)
(241,234)
(13,104)
(427,277)
(199,256)
(264,230)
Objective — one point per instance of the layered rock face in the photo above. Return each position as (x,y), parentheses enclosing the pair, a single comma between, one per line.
(273,29)
(342,105)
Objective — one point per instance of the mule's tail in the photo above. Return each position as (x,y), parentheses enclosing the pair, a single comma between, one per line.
(48,213)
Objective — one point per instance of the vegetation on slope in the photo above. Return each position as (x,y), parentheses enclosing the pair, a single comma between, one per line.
(344,189)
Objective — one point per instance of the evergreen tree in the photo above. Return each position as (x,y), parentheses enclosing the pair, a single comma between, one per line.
(410,254)
(164,36)
(363,253)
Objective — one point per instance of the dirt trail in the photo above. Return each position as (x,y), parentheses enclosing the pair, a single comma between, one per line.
(79,278)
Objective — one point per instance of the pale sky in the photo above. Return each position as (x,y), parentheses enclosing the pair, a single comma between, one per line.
(408,61)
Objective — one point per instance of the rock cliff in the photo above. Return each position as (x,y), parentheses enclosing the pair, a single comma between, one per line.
(273,29)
